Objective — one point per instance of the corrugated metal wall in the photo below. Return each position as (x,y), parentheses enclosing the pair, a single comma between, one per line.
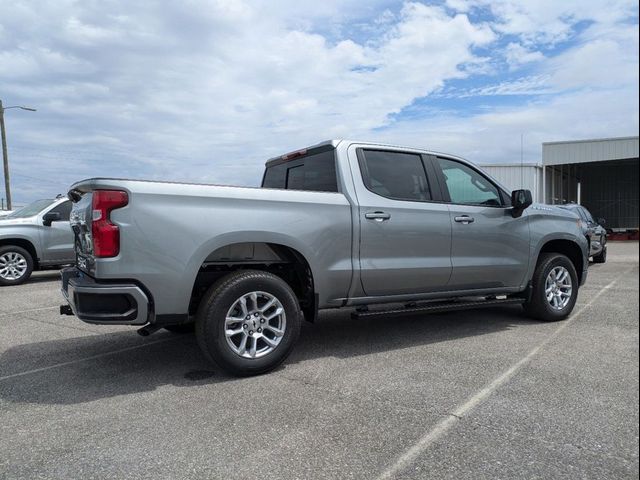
(515,177)
(557,153)
(604,171)
(610,191)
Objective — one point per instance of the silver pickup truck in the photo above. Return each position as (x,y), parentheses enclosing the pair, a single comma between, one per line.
(383,229)
(35,237)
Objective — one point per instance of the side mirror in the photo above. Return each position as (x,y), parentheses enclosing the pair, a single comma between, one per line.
(521,199)
(51,217)
(602,221)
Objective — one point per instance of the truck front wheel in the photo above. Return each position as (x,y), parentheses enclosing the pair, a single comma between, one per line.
(554,288)
(248,322)
(16,265)
(601,257)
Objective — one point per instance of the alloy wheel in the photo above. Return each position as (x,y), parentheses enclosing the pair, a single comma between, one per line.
(558,288)
(255,324)
(13,266)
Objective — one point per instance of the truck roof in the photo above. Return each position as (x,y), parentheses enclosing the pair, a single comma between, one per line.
(336,141)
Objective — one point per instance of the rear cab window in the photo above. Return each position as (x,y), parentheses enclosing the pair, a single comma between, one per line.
(311,170)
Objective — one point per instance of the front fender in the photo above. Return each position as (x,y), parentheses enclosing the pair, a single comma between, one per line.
(549,223)
(577,239)
(22,233)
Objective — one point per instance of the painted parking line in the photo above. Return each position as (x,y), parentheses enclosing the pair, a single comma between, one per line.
(86,359)
(448,422)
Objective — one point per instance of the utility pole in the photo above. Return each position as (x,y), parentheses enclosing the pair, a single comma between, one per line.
(5,158)
(5,153)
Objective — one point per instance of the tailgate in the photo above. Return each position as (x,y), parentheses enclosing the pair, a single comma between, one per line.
(80,220)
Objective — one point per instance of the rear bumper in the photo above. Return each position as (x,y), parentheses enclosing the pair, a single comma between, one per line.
(104,303)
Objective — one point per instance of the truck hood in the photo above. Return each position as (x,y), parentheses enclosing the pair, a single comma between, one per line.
(12,222)
(552,211)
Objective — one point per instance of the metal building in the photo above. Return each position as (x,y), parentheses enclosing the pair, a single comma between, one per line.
(517,176)
(602,174)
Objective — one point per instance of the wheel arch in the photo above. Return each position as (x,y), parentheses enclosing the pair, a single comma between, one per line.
(277,257)
(568,247)
(22,243)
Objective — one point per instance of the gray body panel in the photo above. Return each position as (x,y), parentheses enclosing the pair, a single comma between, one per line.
(410,252)
(493,251)
(169,229)
(53,244)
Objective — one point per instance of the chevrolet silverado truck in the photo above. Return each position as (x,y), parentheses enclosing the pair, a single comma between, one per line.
(382,229)
(35,237)
(594,231)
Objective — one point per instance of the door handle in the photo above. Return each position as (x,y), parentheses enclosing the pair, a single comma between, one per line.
(464,219)
(377,216)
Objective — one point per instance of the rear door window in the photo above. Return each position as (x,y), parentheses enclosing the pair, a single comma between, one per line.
(395,175)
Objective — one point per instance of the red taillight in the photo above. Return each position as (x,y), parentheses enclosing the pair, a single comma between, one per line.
(106,235)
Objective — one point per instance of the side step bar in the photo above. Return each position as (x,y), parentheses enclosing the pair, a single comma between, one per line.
(438,307)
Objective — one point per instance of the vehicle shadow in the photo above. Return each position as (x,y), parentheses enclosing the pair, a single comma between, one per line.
(170,359)
(44,276)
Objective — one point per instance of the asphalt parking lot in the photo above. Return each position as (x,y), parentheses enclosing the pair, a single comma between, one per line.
(485,394)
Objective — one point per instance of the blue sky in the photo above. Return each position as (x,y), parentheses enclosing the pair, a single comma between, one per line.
(207,90)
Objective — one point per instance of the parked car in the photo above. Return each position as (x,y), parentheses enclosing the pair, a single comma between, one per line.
(35,237)
(338,224)
(4,213)
(594,231)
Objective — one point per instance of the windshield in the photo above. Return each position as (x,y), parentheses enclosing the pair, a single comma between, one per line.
(31,210)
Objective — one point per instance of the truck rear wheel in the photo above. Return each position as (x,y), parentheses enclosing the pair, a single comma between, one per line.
(248,322)
(554,288)
(16,265)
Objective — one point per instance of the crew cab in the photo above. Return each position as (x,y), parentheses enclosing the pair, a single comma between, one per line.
(380,229)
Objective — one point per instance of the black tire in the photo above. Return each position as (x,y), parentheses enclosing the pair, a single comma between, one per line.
(221,297)
(181,328)
(538,306)
(601,257)
(8,249)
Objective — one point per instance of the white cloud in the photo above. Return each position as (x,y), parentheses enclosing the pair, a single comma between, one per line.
(602,62)
(517,55)
(548,21)
(494,137)
(225,77)
(207,90)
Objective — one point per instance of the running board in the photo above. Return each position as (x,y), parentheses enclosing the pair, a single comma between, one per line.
(438,307)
